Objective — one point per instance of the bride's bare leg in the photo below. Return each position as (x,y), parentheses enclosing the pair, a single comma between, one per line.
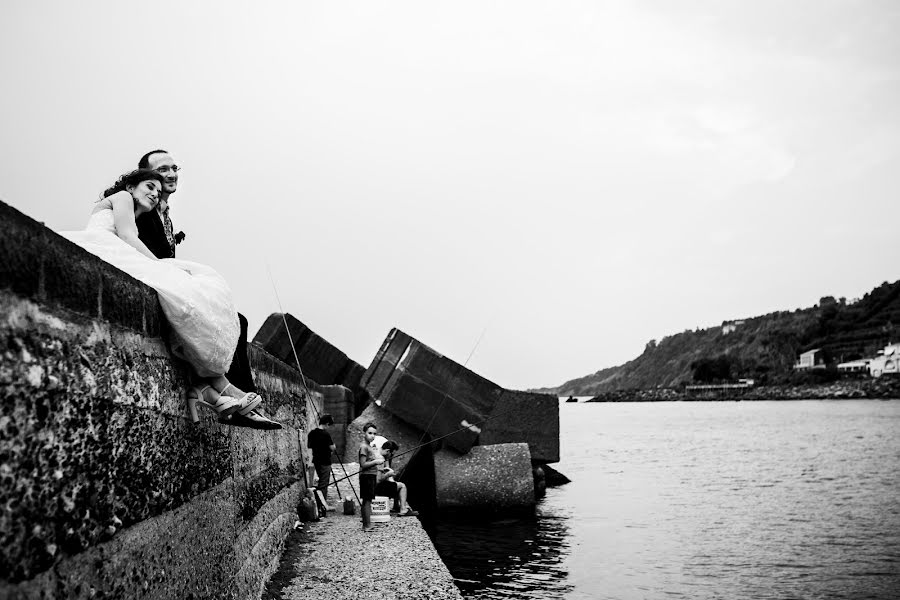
(225,387)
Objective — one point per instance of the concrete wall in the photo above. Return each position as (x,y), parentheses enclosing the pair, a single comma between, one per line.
(106,489)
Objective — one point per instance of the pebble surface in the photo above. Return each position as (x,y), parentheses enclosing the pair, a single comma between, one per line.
(335,559)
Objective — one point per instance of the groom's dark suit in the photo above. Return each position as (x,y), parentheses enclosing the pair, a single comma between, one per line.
(152,232)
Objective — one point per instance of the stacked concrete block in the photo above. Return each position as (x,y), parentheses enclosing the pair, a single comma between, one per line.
(339,404)
(496,477)
(413,381)
(484,430)
(319,360)
(525,417)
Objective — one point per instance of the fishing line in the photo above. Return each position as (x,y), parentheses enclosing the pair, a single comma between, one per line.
(305,385)
(441,404)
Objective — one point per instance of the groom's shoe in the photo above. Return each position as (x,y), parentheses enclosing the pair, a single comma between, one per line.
(253,420)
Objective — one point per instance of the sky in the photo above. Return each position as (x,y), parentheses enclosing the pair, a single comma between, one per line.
(533,189)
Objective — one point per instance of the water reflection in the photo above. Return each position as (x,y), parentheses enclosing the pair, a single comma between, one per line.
(506,558)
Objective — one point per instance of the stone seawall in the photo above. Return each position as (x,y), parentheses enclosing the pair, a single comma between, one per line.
(106,489)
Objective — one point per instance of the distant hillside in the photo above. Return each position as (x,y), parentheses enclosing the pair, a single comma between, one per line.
(764,348)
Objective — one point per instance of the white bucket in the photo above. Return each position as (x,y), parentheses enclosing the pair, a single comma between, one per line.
(381,509)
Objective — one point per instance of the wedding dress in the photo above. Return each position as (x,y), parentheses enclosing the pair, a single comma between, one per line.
(196,300)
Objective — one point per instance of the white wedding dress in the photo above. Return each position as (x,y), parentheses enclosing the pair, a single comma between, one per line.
(195,299)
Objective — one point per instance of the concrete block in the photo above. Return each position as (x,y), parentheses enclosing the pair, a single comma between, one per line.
(320,361)
(430,410)
(525,417)
(277,341)
(339,402)
(390,427)
(339,437)
(352,376)
(495,477)
(458,382)
(386,360)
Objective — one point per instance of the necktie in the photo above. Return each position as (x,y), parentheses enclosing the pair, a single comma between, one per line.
(163,210)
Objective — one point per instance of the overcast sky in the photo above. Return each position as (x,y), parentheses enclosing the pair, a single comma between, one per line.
(569,179)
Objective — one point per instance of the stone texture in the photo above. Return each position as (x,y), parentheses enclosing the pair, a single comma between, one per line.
(259,543)
(83,450)
(525,417)
(494,477)
(162,557)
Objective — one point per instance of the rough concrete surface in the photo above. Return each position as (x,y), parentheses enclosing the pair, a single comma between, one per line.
(525,417)
(495,477)
(320,361)
(335,559)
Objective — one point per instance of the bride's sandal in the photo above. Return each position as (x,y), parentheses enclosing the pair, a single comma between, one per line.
(248,402)
(223,405)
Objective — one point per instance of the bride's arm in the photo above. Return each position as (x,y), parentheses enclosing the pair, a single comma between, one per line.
(126,228)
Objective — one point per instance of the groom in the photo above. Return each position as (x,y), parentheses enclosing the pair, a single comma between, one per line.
(156,231)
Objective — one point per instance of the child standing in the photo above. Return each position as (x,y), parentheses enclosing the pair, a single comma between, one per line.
(369,459)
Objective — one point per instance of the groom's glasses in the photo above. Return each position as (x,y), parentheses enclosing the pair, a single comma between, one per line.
(167,168)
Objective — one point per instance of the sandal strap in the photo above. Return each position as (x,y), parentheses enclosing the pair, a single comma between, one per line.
(252,400)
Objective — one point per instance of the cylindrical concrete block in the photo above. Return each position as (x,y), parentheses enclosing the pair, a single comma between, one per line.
(496,477)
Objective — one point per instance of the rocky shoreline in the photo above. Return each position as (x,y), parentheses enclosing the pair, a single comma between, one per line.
(882,388)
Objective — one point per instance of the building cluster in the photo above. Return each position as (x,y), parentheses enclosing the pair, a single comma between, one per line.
(885,362)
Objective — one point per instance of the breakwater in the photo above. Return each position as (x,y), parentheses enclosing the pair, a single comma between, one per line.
(884,387)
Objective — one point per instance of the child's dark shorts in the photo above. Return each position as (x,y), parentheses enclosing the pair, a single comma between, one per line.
(386,488)
(367,486)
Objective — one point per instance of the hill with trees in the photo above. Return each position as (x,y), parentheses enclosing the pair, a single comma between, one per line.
(763,348)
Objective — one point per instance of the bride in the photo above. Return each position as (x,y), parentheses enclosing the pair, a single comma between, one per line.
(196,300)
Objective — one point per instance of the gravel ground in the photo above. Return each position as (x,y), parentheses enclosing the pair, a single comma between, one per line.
(334,558)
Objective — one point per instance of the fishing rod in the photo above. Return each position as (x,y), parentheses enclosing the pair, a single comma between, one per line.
(305,385)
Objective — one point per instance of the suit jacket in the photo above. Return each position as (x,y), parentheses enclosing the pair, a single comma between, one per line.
(152,232)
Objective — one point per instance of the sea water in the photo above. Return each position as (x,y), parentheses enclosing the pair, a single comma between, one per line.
(702,500)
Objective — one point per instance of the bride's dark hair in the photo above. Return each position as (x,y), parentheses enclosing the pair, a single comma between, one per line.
(133,178)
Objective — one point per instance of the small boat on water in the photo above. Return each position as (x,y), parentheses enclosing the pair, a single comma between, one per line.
(571,399)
